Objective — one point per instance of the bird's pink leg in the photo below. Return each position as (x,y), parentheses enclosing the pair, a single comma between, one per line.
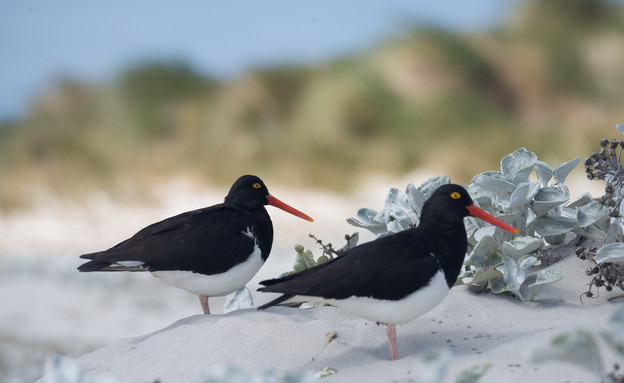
(391,332)
(203,299)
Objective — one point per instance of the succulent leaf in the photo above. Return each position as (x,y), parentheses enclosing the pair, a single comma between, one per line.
(554,225)
(238,300)
(544,277)
(578,347)
(612,252)
(562,170)
(544,172)
(548,198)
(520,246)
(518,165)
(591,213)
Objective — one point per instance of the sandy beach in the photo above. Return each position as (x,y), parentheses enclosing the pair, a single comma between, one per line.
(133,328)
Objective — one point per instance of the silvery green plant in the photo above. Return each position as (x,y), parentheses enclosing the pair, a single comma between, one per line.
(62,369)
(499,261)
(228,373)
(432,367)
(583,348)
(532,197)
(238,300)
(305,258)
(607,252)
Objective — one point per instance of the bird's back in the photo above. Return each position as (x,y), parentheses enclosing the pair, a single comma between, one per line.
(221,233)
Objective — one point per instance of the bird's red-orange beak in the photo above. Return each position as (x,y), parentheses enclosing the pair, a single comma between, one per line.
(480,213)
(287,208)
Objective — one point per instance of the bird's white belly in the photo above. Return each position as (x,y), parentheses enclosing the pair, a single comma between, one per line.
(216,284)
(395,312)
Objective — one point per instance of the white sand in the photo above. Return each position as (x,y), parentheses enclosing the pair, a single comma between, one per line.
(474,328)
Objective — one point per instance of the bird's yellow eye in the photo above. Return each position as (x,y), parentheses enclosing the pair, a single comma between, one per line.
(256,185)
(455,195)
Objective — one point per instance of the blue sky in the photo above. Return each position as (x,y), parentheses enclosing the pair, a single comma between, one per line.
(42,40)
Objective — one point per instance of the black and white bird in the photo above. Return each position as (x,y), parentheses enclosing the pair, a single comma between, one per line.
(212,251)
(396,278)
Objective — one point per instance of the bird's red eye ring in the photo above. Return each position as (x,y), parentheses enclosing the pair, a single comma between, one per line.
(455,195)
(256,185)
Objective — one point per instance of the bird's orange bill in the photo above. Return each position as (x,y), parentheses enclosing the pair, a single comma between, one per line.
(480,213)
(281,205)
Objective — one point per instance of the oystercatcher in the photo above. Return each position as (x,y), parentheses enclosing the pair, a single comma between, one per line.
(212,251)
(396,278)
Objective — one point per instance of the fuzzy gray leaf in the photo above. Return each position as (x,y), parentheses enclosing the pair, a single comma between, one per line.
(556,225)
(418,195)
(484,248)
(613,253)
(544,277)
(431,366)
(527,263)
(373,228)
(615,335)
(396,200)
(582,200)
(484,231)
(544,172)
(230,373)
(518,165)
(238,300)
(547,198)
(473,373)
(397,207)
(416,198)
(620,128)
(486,275)
(352,241)
(520,246)
(395,227)
(561,171)
(62,369)
(615,233)
(590,213)
(366,217)
(523,194)
(578,347)
(303,260)
(616,320)
(432,184)
(369,219)
(495,183)
(555,239)
(514,274)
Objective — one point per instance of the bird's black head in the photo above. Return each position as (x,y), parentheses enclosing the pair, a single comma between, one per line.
(448,201)
(451,203)
(250,192)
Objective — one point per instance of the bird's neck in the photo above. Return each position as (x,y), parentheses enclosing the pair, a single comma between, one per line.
(448,241)
(261,224)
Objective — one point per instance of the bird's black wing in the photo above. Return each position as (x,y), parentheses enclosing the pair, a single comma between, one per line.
(387,268)
(183,242)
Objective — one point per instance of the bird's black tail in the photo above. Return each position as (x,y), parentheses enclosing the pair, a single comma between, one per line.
(276,301)
(96,264)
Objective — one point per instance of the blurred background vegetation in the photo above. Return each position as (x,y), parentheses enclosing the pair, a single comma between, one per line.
(551,79)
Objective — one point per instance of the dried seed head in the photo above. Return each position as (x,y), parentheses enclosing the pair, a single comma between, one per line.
(604,142)
(609,189)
